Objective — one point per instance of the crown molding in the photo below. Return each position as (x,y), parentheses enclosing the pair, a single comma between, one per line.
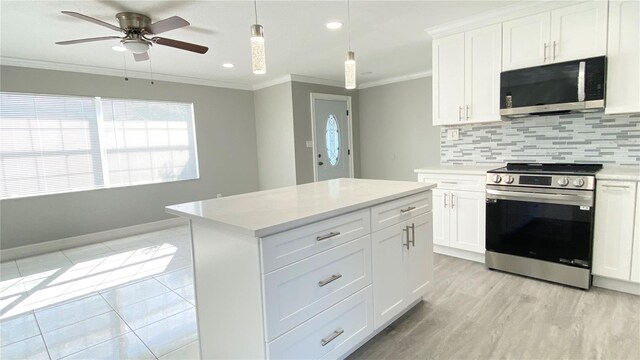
(272,82)
(396,79)
(520,9)
(318,81)
(94,70)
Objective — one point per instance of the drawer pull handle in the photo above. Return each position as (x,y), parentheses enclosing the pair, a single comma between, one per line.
(449,182)
(407,209)
(328,236)
(616,186)
(331,337)
(333,278)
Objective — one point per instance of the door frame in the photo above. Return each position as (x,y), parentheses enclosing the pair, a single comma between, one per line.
(320,96)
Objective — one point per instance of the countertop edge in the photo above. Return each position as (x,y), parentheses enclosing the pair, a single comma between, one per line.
(274,229)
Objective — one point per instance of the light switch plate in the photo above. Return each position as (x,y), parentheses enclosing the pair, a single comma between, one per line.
(309,143)
(453,134)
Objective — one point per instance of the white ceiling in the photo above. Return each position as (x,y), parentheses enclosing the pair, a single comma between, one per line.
(387,36)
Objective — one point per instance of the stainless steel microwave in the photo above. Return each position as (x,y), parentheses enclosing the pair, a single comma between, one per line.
(571,86)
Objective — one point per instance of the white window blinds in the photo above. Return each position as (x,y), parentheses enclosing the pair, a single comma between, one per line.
(51,144)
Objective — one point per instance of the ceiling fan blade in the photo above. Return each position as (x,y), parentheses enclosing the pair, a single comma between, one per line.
(181,45)
(172,23)
(141,56)
(90,19)
(78,41)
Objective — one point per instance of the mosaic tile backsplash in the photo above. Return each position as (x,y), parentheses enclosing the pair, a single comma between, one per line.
(593,137)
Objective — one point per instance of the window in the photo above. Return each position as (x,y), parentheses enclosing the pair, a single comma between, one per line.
(332,140)
(51,144)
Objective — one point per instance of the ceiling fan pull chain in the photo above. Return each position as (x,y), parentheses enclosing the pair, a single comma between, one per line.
(150,68)
(124,60)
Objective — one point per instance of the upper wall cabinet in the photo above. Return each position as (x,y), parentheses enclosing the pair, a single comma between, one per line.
(466,77)
(568,33)
(623,58)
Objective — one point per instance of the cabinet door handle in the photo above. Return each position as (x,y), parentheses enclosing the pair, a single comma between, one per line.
(452,201)
(328,236)
(459,113)
(413,235)
(331,337)
(544,57)
(329,280)
(554,50)
(407,209)
(444,198)
(406,231)
(468,112)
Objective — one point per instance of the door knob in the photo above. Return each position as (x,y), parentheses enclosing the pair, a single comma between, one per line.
(320,163)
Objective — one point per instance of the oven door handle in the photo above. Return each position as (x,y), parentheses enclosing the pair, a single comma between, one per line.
(562,199)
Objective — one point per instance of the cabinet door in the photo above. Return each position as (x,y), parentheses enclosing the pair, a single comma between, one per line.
(623,58)
(388,273)
(525,41)
(419,257)
(448,79)
(440,217)
(468,215)
(613,229)
(579,31)
(483,62)
(635,260)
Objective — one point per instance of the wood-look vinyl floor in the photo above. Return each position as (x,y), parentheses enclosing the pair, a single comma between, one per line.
(475,313)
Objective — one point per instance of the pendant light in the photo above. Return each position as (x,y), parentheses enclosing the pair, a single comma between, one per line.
(258,58)
(350,63)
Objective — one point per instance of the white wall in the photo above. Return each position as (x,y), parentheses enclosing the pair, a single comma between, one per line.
(226,139)
(275,136)
(396,135)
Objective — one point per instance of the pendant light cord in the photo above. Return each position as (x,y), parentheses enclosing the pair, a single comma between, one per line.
(255,9)
(349,23)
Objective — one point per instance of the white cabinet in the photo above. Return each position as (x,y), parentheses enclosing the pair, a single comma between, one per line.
(569,33)
(623,58)
(459,214)
(402,266)
(635,258)
(466,77)
(613,230)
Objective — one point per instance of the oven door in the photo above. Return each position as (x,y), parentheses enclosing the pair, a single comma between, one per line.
(544,224)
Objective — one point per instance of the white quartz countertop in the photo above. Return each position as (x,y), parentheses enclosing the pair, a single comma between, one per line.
(459,169)
(621,173)
(268,212)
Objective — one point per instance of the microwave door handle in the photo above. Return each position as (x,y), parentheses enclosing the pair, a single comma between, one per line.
(581,84)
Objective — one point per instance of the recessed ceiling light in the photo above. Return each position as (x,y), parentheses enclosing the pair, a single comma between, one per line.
(228,65)
(118,48)
(334,25)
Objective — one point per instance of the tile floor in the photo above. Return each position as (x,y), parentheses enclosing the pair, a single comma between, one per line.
(130,298)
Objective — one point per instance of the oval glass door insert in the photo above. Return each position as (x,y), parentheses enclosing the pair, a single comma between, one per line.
(332,140)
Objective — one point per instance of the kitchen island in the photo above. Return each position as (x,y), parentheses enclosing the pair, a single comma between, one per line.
(308,271)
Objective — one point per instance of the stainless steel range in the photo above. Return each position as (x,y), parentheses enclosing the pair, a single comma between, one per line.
(540,221)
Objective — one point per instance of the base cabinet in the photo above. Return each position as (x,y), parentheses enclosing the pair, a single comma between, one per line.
(402,266)
(613,229)
(459,219)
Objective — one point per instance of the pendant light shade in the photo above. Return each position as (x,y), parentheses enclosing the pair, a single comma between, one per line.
(350,71)
(258,58)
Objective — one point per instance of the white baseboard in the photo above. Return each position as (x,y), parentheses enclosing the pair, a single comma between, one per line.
(75,241)
(463,254)
(617,285)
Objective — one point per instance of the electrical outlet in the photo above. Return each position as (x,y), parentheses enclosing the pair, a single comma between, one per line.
(453,134)
(309,143)
(218,195)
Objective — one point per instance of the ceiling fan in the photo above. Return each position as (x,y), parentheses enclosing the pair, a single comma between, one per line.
(139,33)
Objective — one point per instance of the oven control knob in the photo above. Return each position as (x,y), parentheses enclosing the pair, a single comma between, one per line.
(508,179)
(496,178)
(563,181)
(578,182)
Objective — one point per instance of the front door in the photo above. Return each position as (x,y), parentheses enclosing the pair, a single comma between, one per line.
(332,148)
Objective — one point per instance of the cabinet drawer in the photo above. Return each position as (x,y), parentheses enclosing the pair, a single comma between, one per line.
(455,182)
(295,293)
(290,246)
(393,212)
(331,333)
